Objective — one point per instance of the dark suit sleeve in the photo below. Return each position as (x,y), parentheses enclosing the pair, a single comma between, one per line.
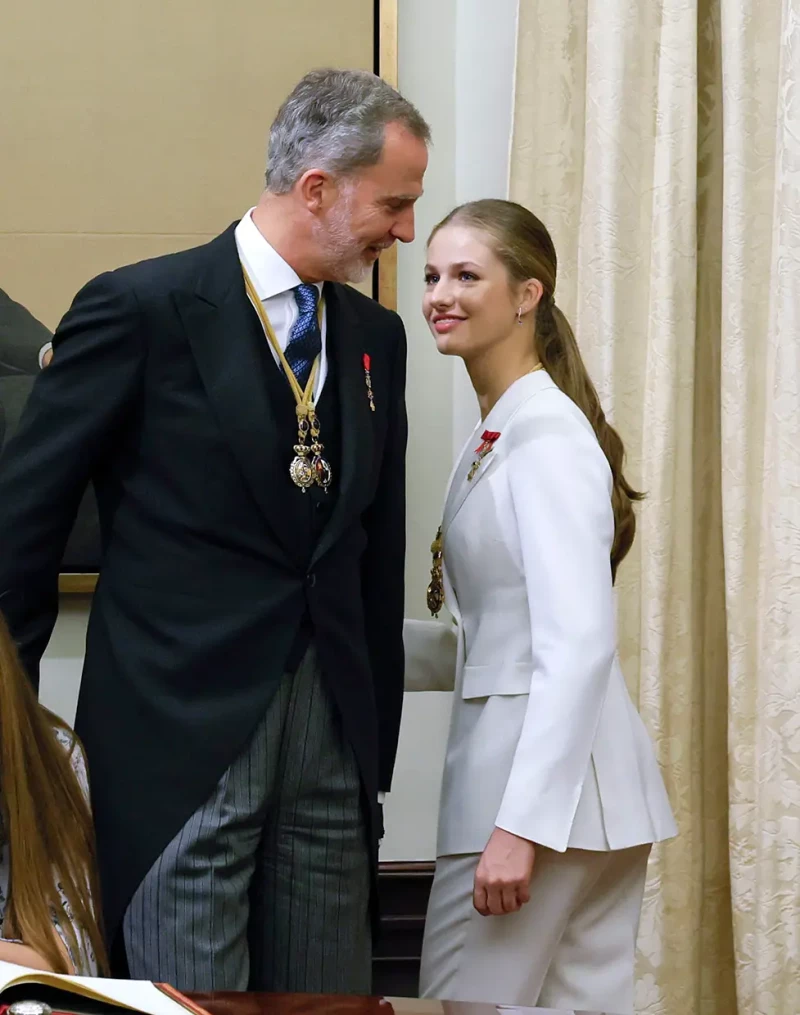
(68,425)
(383,571)
(21,338)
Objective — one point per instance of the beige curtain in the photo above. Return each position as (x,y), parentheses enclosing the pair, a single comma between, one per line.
(660,142)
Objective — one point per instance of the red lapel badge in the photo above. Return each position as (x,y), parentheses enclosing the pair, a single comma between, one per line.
(368,377)
(488,438)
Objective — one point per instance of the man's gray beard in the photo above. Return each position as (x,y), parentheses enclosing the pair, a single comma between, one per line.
(345,263)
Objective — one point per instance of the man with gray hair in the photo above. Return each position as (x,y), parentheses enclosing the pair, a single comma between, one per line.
(241,413)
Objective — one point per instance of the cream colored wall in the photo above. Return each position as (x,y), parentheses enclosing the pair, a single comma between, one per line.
(456,64)
(133,129)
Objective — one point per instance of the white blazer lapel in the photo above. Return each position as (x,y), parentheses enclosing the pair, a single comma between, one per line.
(456,487)
(514,396)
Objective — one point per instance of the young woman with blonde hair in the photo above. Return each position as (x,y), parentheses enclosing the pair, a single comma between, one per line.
(552,796)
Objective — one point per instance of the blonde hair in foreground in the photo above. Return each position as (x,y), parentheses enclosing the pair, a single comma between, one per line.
(48,824)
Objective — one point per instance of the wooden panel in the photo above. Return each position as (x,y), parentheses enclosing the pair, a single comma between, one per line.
(320,1004)
(403,890)
(388,70)
(148,118)
(152,116)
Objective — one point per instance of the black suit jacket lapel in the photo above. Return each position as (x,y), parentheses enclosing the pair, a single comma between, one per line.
(345,338)
(225,334)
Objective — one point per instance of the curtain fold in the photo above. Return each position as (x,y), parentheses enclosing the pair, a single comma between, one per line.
(760,384)
(660,143)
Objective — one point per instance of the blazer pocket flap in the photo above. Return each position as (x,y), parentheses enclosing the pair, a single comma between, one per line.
(504,678)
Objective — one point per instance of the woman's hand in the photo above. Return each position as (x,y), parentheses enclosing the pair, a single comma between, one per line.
(503,877)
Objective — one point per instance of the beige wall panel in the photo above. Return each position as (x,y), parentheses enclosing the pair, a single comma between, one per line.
(43,272)
(143,120)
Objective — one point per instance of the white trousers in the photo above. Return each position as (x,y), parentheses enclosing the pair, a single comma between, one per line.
(571,947)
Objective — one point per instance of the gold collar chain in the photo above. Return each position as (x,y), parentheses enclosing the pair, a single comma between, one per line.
(308,466)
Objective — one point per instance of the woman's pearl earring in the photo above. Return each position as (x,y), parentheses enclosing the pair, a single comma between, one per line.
(519,316)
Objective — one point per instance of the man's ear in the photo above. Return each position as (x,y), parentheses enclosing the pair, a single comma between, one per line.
(313,188)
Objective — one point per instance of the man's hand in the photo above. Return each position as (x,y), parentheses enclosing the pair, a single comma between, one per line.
(503,877)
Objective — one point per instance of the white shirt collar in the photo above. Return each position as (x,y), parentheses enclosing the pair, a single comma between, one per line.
(270,274)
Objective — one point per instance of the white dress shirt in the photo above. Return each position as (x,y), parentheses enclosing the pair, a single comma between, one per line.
(273,280)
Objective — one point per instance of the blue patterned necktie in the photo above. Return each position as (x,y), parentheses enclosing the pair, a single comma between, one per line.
(305,341)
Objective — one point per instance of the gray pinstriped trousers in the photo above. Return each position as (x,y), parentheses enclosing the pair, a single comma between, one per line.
(267,886)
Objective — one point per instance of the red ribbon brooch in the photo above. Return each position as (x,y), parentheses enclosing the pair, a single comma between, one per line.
(488,439)
(368,378)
